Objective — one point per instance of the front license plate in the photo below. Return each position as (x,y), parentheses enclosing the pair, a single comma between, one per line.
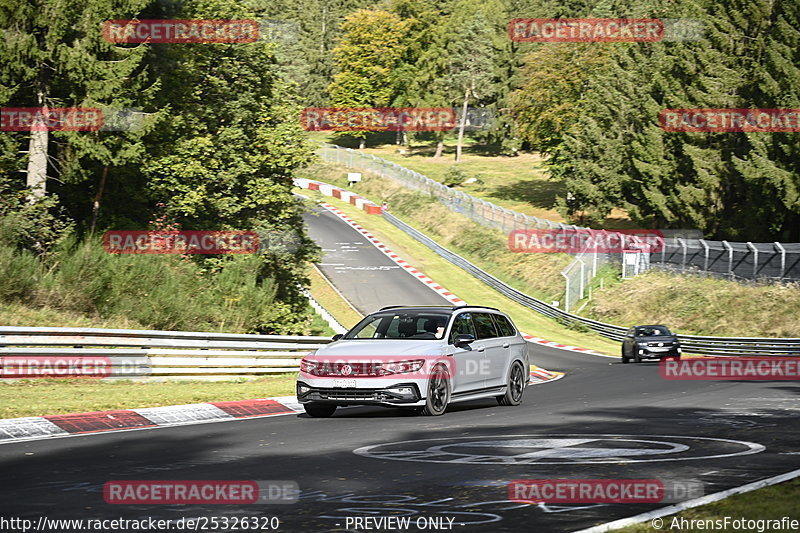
(344,383)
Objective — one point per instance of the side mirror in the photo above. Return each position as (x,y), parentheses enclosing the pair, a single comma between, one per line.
(338,336)
(464,339)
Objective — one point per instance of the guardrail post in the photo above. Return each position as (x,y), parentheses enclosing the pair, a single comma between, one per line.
(780,247)
(730,257)
(583,277)
(705,261)
(566,293)
(755,258)
(682,242)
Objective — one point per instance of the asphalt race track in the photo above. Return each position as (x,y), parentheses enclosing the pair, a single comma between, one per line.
(560,431)
(603,420)
(367,278)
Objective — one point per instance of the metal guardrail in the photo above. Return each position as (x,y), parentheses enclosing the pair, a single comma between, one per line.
(334,324)
(143,354)
(734,260)
(733,346)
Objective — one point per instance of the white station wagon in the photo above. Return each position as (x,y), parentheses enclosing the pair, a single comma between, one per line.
(419,357)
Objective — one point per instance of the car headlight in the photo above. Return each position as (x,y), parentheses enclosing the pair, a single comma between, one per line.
(307,366)
(399,367)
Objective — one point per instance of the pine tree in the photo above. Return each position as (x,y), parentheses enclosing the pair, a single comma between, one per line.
(54,55)
(471,59)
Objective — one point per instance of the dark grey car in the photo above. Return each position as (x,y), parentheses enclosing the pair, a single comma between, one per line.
(649,342)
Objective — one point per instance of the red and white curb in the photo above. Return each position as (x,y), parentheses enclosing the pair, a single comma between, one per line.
(370,207)
(42,427)
(540,375)
(420,275)
(553,344)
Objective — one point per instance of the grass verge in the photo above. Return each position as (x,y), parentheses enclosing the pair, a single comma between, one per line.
(700,305)
(60,396)
(332,301)
(18,314)
(769,503)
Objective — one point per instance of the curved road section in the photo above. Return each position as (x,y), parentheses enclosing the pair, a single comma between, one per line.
(366,468)
(603,421)
(361,272)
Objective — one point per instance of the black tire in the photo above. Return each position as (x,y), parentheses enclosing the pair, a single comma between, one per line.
(637,358)
(625,360)
(515,387)
(319,410)
(438,396)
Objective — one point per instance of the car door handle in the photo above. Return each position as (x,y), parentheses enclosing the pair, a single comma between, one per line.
(481,348)
(505,345)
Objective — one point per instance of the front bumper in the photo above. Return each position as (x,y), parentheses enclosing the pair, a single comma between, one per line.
(399,394)
(651,352)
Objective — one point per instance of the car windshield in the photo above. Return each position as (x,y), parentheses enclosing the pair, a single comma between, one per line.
(652,331)
(417,325)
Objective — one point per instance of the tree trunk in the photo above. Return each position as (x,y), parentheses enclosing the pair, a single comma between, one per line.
(97,198)
(37,165)
(37,156)
(439,148)
(462,125)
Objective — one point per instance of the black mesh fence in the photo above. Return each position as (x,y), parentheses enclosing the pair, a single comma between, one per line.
(775,261)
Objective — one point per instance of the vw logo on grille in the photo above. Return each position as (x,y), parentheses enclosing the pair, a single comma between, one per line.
(661,344)
(346,370)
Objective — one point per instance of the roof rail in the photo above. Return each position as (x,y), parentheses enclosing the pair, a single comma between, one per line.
(476,306)
(401,306)
(452,307)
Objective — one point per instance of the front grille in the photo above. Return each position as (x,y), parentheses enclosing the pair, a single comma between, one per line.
(356,395)
(348,394)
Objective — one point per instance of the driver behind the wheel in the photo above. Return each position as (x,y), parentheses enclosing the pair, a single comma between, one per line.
(406,328)
(434,327)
